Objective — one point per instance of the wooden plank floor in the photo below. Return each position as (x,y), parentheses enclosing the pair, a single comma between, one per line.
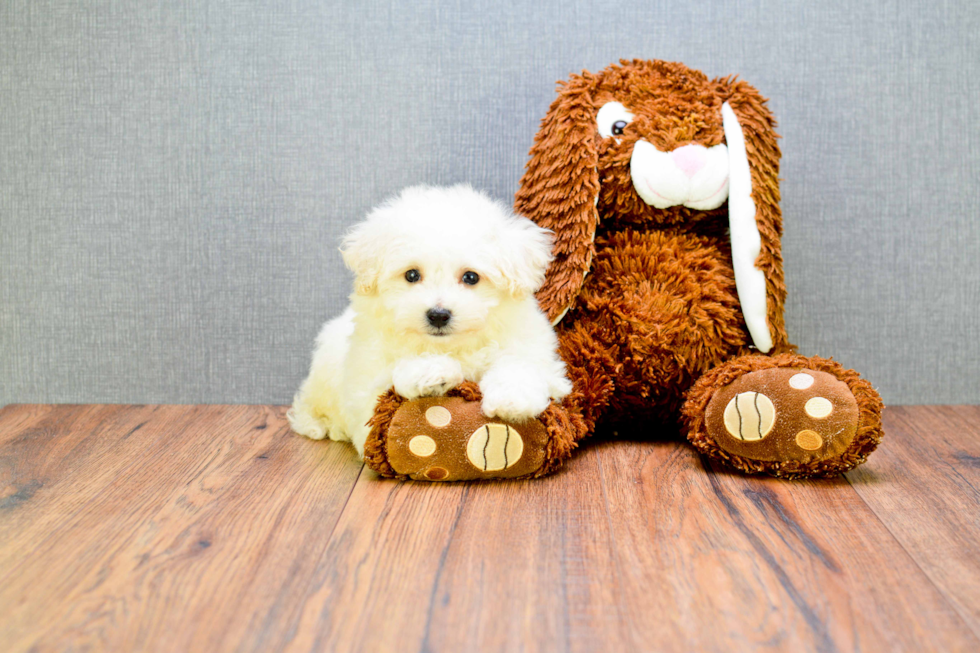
(212,528)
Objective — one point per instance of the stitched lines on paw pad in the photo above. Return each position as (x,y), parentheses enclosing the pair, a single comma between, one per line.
(493,447)
(750,416)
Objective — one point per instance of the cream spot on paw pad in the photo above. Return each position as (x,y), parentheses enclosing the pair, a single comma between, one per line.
(438,416)
(818,408)
(750,416)
(422,446)
(800,381)
(493,447)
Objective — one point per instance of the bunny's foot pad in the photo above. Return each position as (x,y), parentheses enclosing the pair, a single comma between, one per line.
(784,414)
(807,417)
(449,439)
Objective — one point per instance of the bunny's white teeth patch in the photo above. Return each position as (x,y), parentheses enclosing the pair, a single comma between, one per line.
(693,175)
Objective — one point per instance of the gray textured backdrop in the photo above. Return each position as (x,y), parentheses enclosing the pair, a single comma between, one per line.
(174,174)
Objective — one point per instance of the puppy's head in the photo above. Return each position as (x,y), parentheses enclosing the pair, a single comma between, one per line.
(439,261)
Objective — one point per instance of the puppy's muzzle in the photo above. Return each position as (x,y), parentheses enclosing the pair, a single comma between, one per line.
(439,317)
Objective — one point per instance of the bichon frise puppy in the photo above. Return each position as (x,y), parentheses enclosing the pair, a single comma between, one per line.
(444,292)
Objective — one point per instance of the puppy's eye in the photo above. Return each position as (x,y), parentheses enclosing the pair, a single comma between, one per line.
(612,119)
(413,275)
(470,278)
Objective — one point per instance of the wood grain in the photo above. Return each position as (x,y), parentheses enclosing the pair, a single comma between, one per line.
(496,566)
(160,528)
(729,562)
(925,487)
(212,528)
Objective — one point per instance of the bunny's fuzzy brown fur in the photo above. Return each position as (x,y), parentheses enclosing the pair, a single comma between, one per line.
(650,293)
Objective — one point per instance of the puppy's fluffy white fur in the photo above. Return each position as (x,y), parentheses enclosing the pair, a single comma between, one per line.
(497,336)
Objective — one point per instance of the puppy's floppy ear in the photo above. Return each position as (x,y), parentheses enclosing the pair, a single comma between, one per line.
(755,220)
(559,190)
(363,251)
(523,256)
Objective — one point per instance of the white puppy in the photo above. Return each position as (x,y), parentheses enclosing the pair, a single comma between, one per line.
(444,292)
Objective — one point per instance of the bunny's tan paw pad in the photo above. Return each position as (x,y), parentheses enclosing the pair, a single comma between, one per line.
(784,414)
(449,439)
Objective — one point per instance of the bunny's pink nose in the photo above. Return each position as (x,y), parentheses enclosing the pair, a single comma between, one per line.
(690,158)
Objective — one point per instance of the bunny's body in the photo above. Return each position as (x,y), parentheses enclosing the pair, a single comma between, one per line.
(666,288)
(647,294)
(657,311)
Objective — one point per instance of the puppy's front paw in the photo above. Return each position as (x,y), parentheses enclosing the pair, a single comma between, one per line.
(426,376)
(515,400)
(559,387)
(302,421)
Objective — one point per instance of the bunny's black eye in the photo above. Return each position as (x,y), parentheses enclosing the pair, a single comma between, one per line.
(413,275)
(612,119)
(471,278)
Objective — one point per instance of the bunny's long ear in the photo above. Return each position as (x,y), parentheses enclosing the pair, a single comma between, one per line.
(755,220)
(559,191)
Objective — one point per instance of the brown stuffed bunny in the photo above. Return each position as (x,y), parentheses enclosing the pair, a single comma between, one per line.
(666,290)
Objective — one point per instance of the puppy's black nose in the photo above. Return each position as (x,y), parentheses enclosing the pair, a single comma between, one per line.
(438,317)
